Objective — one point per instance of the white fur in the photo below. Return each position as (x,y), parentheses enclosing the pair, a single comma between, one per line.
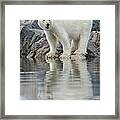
(65,31)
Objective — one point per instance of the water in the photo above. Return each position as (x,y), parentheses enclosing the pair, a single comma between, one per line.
(59,79)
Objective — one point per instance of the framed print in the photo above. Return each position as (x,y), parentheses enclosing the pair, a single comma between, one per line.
(59,59)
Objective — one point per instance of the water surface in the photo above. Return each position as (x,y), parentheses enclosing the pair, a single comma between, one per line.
(59,79)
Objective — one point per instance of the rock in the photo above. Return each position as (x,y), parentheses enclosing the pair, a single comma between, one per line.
(93,48)
(96,25)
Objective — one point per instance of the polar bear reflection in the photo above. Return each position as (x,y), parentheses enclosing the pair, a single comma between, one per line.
(67,80)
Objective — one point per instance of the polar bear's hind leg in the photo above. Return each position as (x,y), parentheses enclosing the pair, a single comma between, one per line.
(84,38)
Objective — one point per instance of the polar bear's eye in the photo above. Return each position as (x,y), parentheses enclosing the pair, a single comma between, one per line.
(43,20)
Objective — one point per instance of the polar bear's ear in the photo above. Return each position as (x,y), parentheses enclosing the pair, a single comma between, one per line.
(40,24)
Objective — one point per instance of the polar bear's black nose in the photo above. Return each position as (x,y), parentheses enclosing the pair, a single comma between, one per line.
(47,25)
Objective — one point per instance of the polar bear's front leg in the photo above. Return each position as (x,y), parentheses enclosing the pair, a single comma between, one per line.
(52,41)
(65,41)
(52,45)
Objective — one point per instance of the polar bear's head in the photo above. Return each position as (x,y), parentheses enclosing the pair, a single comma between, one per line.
(45,24)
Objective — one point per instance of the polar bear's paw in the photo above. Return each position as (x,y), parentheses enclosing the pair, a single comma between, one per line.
(80,53)
(65,56)
(51,55)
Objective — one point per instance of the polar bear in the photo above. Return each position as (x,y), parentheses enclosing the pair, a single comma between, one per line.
(72,34)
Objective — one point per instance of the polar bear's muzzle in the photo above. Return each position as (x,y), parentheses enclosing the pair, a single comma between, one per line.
(47,26)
